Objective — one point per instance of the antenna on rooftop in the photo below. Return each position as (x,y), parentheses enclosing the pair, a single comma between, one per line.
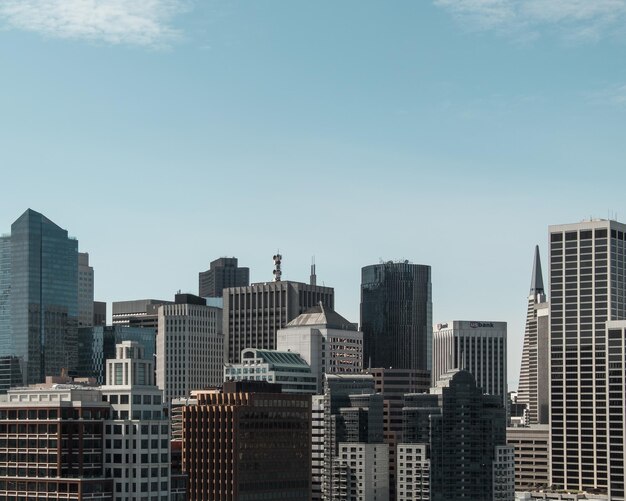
(313,280)
(277,260)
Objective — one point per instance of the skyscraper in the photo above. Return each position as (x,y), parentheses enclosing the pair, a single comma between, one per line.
(534,374)
(85,291)
(223,273)
(587,288)
(396,315)
(477,347)
(253,314)
(39,296)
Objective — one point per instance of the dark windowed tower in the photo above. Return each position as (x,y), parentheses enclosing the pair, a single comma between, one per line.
(396,315)
(39,297)
(223,273)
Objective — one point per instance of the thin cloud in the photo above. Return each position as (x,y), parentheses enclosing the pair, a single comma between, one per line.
(573,19)
(133,22)
(614,96)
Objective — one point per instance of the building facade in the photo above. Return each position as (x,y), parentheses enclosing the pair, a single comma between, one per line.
(137,435)
(285,368)
(361,472)
(587,288)
(246,442)
(137,312)
(477,347)
(396,315)
(190,346)
(532,461)
(222,273)
(534,380)
(328,342)
(254,314)
(85,291)
(39,296)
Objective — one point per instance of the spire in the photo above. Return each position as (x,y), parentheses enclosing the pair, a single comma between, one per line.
(536,283)
(313,280)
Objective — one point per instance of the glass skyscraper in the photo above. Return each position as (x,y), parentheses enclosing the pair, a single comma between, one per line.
(396,315)
(39,296)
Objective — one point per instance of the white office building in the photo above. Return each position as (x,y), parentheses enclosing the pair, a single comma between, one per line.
(477,347)
(413,473)
(361,472)
(329,343)
(190,347)
(137,437)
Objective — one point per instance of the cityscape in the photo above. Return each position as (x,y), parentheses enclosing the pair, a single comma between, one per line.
(312,251)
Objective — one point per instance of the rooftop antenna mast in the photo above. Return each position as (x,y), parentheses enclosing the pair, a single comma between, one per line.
(313,280)
(277,260)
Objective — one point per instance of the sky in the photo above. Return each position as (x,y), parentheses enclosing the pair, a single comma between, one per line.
(166,133)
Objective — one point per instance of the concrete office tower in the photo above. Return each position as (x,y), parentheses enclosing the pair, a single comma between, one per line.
(254,314)
(85,291)
(465,432)
(258,445)
(99,313)
(317,447)
(587,288)
(477,347)
(223,273)
(52,444)
(393,384)
(532,465)
(396,315)
(352,413)
(190,346)
(138,312)
(361,473)
(329,343)
(39,296)
(534,379)
(413,477)
(285,368)
(137,436)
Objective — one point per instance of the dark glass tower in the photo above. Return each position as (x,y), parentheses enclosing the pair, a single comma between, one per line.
(39,296)
(396,315)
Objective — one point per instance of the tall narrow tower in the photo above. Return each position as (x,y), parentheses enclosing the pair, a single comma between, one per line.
(534,373)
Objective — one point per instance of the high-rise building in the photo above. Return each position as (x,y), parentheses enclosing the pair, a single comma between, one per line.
(352,413)
(396,315)
(317,447)
(393,384)
(587,288)
(85,291)
(413,476)
(361,473)
(190,346)
(477,347)
(254,314)
(329,343)
(137,436)
(532,463)
(39,296)
(465,432)
(137,312)
(285,368)
(222,273)
(99,313)
(248,441)
(534,380)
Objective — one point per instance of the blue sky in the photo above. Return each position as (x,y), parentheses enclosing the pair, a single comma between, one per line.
(166,133)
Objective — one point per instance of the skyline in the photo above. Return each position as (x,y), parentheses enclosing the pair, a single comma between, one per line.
(169,133)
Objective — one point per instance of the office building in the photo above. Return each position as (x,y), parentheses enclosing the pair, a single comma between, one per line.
(396,315)
(254,314)
(477,347)
(413,476)
(534,380)
(10,373)
(51,444)
(285,368)
(97,344)
(85,291)
(190,346)
(393,384)
(137,435)
(587,288)
(39,296)
(352,413)
(317,447)
(222,273)
(248,441)
(361,473)
(465,432)
(99,313)
(532,465)
(328,342)
(138,312)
